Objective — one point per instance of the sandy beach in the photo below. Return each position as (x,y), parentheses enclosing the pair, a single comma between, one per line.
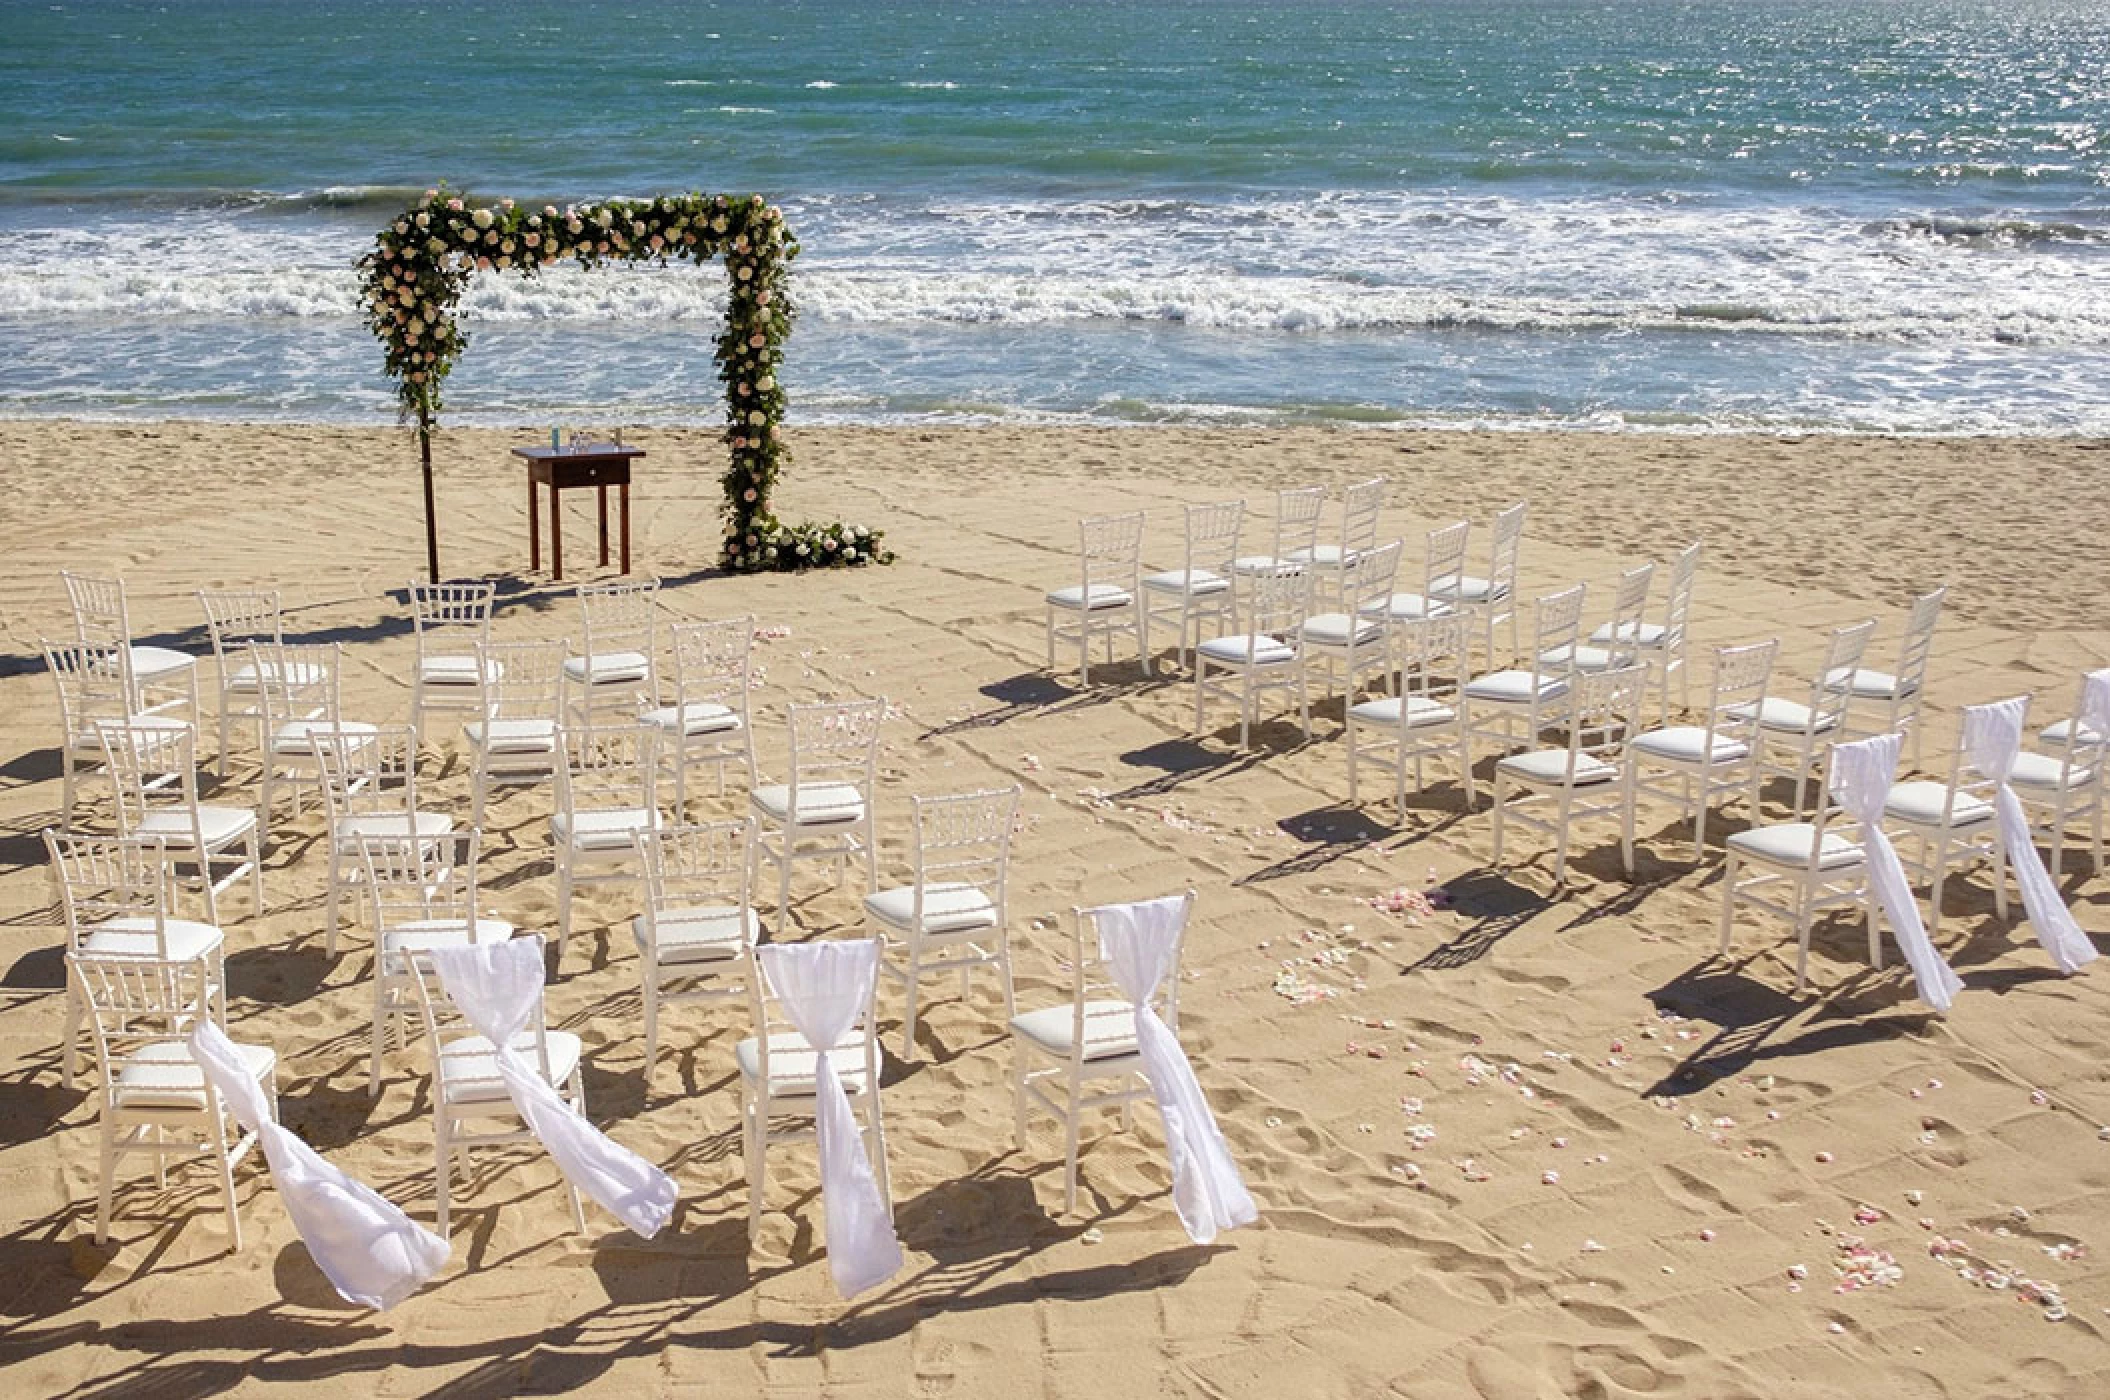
(1507,1144)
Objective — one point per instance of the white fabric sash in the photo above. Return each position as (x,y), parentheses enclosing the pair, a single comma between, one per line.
(1862,773)
(498,987)
(1140,943)
(1992,736)
(371,1252)
(822,988)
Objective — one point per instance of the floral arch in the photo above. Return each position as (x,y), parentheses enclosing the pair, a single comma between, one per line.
(422,263)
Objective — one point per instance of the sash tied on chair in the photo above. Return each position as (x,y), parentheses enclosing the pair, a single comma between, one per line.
(823,987)
(498,987)
(371,1252)
(1140,943)
(1992,735)
(1862,773)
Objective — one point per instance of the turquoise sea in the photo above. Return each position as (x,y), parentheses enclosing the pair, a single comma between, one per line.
(1686,215)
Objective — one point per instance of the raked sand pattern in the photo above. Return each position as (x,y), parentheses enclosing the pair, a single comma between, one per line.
(1503,1145)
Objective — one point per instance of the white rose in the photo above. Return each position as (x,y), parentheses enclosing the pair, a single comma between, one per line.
(758,418)
(766,382)
(424,220)
(482,217)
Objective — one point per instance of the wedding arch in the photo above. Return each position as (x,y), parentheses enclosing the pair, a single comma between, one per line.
(424,259)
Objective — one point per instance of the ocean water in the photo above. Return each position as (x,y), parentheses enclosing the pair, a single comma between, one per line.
(1674,215)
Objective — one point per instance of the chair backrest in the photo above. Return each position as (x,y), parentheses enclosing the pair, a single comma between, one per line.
(770,1020)
(414,878)
(1677,605)
(1445,566)
(1829,817)
(521,680)
(1110,551)
(1508,544)
(1558,622)
(443,1019)
(712,661)
(438,609)
(695,865)
(620,615)
(367,773)
(1277,602)
(138,1002)
(1917,645)
(1090,980)
(1741,674)
(1604,709)
(1361,504)
(298,681)
(1842,657)
(965,838)
(148,760)
(1629,601)
(94,680)
(234,616)
(834,741)
(1212,535)
(1434,653)
(2086,745)
(1297,512)
(1963,779)
(109,877)
(1367,579)
(608,767)
(99,613)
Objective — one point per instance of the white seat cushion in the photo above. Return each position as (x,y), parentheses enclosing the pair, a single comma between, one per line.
(696,717)
(1198,582)
(2042,771)
(947,908)
(454,670)
(219,825)
(820,804)
(1580,657)
(1406,607)
(1647,635)
(1338,629)
(394,824)
(1784,716)
(1418,711)
(1788,844)
(1325,556)
(609,668)
(2060,735)
(1866,684)
(1920,800)
(513,735)
(1515,687)
(793,1064)
(1236,651)
(155,663)
(423,935)
(469,1066)
(605,829)
(163,1075)
(1103,596)
(1109,1029)
(1550,767)
(134,934)
(1250,564)
(297,740)
(1471,589)
(1688,743)
(700,933)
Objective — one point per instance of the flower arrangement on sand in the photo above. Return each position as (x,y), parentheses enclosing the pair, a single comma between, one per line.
(423,261)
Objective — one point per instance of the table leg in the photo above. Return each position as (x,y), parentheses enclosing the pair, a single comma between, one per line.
(626,526)
(602,491)
(534,527)
(556,533)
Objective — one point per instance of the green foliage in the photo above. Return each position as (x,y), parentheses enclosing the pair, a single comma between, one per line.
(422,263)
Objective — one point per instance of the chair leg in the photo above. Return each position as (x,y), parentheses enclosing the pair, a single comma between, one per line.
(107,1188)
(1069,1156)
(753,1125)
(1501,801)
(256,871)
(908,1013)
(651,975)
(1728,899)
(234,1216)
(564,887)
(443,1176)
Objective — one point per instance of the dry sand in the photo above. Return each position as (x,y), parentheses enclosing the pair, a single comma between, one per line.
(1519,1146)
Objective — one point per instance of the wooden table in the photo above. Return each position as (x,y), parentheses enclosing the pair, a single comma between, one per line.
(600,465)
